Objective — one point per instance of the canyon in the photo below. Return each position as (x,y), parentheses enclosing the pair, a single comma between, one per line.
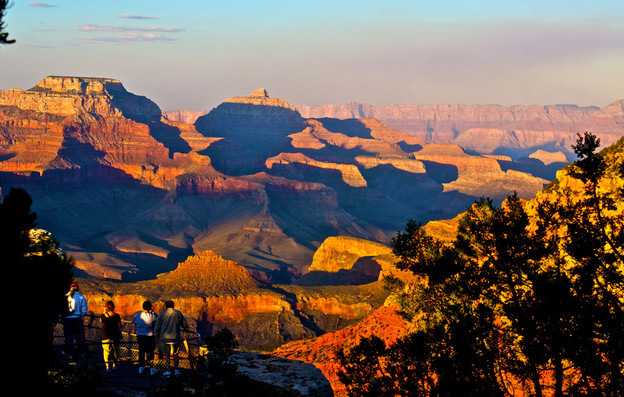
(270,219)
(130,193)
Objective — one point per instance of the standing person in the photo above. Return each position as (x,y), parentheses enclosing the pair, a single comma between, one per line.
(167,333)
(73,323)
(111,336)
(144,322)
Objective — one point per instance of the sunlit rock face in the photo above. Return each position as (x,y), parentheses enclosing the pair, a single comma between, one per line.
(384,322)
(208,272)
(183,116)
(73,95)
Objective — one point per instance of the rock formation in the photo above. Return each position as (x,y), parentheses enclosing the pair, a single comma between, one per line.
(207,272)
(184,116)
(74,95)
(384,322)
(484,129)
(214,293)
(130,193)
(283,377)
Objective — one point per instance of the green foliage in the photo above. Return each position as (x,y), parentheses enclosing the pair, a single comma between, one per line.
(517,302)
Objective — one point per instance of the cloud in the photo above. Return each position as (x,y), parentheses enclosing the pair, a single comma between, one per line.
(133,16)
(41,5)
(129,37)
(108,28)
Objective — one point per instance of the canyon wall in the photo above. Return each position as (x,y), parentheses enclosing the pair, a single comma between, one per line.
(130,193)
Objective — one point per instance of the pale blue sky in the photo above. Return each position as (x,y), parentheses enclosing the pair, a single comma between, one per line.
(195,54)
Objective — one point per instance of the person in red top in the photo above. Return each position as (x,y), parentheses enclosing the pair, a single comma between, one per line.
(111,336)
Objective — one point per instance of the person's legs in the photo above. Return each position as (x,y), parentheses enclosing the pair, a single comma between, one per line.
(80,336)
(115,352)
(74,336)
(107,346)
(175,350)
(150,346)
(164,353)
(69,336)
(142,342)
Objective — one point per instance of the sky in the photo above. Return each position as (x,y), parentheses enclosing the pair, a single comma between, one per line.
(191,54)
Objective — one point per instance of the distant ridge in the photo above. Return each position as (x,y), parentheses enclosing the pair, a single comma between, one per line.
(489,129)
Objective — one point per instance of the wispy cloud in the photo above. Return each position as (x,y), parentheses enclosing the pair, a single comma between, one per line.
(44,30)
(128,37)
(37,4)
(109,28)
(133,16)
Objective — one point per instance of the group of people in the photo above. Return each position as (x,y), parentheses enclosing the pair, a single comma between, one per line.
(161,333)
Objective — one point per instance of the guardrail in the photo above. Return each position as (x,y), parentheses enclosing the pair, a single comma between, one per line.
(128,346)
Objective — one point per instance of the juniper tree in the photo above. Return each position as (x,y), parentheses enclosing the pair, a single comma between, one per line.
(518,302)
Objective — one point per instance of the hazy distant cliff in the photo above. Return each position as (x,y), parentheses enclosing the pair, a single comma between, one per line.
(486,129)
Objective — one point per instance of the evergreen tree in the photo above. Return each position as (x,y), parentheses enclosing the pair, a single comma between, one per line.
(40,279)
(4,36)
(517,303)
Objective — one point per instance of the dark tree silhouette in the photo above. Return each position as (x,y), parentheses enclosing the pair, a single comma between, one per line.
(4,36)
(221,346)
(39,279)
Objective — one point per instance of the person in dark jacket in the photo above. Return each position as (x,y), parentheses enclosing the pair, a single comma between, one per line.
(167,332)
(111,336)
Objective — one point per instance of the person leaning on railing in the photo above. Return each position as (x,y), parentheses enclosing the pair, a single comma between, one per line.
(167,333)
(73,322)
(144,322)
(111,336)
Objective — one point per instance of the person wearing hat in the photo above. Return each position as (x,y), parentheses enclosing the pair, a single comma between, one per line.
(74,322)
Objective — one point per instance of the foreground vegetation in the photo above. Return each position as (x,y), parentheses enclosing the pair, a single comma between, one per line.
(38,274)
(527,300)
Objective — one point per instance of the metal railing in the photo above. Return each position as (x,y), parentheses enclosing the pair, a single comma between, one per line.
(128,351)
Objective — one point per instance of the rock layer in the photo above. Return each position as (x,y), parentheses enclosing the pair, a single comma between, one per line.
(513,130)
(131,194)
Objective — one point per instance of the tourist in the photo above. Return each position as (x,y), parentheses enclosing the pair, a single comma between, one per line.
(73,323)
(144,322)
(111,336)
(167,333)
